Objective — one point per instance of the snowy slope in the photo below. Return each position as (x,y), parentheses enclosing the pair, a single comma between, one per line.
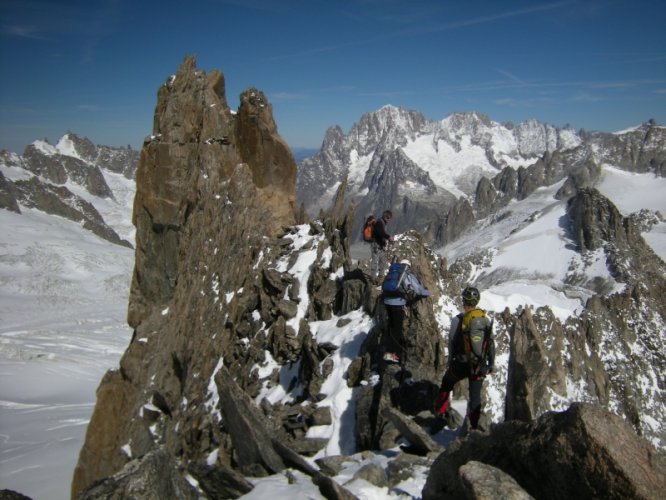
(530,253)
(63,304)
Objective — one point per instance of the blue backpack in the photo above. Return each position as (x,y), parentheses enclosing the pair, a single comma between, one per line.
(393,285)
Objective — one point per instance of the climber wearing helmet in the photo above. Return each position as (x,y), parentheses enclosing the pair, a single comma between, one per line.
(471,355)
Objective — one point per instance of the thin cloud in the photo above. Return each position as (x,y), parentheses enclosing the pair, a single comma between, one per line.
(328,48)
(103,22)
(511,77)
(259,5)
(30,32)
(423,30)
(287,96)
(88,107)
(523,103)
(48,21)
(306,94)
(505,15)
(337,88)
(537,85)
(586,97)
(389,94)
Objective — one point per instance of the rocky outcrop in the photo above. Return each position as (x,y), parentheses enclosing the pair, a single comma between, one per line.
(197,144)
(58,169)
(584,452)
(596,224)
(58,200)
(119,160)
(200,206)
(481,481)
(459,218)
(595,221)
(535,373)
(153,476)
(12,495)
(638,150)
(8,195)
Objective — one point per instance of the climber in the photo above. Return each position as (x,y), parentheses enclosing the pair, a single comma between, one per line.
(471,355)
(381,241)
(400,290)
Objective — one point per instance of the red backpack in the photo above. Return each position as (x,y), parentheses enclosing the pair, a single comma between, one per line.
(367,229)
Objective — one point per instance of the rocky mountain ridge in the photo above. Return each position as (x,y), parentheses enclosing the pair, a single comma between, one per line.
(44,176)
(440,176)
(245,317)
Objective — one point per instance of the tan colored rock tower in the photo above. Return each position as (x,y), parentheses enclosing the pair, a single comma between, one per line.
(205,176)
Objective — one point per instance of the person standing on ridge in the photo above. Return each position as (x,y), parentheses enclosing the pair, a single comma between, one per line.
(381,240)
(471,355)
(400,289)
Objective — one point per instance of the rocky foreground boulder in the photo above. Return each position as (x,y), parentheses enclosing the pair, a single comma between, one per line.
(584,452)
(228,288)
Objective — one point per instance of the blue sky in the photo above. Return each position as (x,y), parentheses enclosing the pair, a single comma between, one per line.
(94,67)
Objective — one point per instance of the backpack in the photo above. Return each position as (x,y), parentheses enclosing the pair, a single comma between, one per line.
(393,285)
(478,343)
(367,230)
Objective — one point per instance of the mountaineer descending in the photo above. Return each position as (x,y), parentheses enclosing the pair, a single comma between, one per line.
(471,355)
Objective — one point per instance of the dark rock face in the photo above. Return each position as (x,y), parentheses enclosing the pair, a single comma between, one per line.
(640,150)
(12,495)
(483,481)
(595,221)
(59,168)
(120,160)
(584,452)
(261,147)
(58,200)
(197,198)
(8,195)
(533,372)
(459,218)
(150,477)
(196,145)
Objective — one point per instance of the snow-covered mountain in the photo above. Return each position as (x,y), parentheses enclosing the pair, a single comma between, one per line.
(63,303)
(73,179)
(394,158)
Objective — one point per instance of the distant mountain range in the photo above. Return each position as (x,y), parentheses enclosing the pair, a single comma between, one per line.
(67,179)
(441,176)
